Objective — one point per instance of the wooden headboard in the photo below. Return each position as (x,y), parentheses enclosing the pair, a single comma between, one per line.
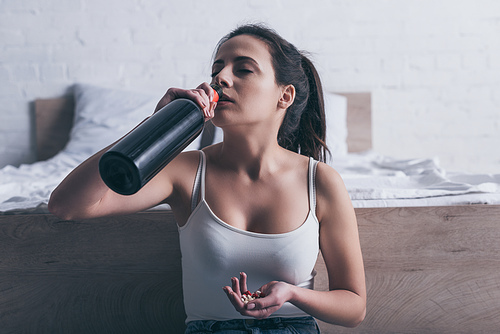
(359,121)
(54,118)
(53,122)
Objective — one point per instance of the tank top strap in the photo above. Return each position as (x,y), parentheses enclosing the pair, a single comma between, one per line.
(312,183)
(199,182)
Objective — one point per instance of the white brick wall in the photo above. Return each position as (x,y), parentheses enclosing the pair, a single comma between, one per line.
(433,66)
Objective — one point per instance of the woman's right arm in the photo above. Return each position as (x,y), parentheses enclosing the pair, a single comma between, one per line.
(83,194)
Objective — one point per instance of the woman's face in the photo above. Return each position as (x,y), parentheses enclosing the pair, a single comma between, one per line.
(243,68)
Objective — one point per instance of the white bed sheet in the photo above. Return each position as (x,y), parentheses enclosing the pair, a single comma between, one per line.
(27,188)
(373,180)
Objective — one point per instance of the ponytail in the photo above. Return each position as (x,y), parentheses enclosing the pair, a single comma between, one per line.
(312,128)
(304,128)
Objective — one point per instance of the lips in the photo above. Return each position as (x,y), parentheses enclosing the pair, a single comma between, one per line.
(225,98)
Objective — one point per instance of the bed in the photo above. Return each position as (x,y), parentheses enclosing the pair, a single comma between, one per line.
(430,239)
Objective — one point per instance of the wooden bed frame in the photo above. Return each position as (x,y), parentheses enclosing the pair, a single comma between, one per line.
(428,269)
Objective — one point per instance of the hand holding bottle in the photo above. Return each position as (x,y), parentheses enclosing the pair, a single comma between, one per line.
(204,96)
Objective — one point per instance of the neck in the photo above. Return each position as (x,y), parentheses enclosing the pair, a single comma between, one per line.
(255,155)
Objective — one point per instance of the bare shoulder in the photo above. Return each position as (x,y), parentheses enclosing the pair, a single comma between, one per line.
(176,180)
(186,159)
(331,193)
(328,180)
(183,166)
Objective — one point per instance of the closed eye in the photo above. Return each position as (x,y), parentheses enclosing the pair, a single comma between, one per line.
(244,71)
(240,71)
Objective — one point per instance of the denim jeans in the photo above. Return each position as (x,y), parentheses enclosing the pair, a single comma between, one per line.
(302,325)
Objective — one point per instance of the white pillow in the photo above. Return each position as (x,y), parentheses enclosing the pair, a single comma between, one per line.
(103,115)
(336,124)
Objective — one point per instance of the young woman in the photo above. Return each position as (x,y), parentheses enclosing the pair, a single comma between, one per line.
(254,210)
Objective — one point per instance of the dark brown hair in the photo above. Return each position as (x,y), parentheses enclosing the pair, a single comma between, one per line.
(303,129)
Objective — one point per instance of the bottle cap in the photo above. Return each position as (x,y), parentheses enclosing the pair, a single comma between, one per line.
(218,92)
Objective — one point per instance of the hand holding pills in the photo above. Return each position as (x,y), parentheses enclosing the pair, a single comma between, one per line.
(263,302)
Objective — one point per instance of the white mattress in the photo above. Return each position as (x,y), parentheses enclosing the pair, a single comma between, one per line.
(372,180)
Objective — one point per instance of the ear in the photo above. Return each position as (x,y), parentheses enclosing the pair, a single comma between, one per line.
(287,97)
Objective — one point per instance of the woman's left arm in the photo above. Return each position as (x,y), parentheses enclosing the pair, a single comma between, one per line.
(345,302)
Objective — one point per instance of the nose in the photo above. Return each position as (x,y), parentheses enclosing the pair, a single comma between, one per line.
(223,78)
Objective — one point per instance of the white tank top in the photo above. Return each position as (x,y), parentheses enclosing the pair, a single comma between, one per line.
(214,251)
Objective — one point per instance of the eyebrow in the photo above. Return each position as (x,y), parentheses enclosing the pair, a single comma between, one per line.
(237,59)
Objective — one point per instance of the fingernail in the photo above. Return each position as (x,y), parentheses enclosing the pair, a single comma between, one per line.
(250,306)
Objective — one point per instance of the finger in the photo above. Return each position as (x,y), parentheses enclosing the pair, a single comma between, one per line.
(259,304)
(229,292)
(234,298)
(208,90)
(201,98)
(243,282)
(235,284)
(210,112)
(260,310)
(211,109)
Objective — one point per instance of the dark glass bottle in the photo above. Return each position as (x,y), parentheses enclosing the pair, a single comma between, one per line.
(139,156)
